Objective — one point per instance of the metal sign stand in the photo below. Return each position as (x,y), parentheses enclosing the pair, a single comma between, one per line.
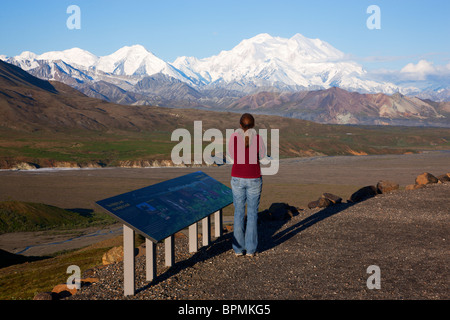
(169,246)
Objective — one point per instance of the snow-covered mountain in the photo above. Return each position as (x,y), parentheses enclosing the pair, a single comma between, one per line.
(135,61)
(261,63)
(298,62)
(127,61)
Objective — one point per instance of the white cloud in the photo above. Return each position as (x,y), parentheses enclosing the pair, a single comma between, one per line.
(423,69)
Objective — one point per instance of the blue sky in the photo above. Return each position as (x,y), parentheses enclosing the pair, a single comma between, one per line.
(410,30)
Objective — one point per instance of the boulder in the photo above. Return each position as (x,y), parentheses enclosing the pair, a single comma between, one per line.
(88,281)
(63,291)
(293,211)
(426,178)
(414,186)
(280,211)
(363,194)
(324,202)
(140,251)
(334,199)
(179,235)
(113,255)
(444,178)
(313,204)
(386,186)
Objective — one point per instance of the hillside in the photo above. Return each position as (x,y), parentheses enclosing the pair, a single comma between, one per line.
(24,216)
(43,122)
(342,107)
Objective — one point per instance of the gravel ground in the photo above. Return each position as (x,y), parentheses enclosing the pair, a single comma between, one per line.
(320,254)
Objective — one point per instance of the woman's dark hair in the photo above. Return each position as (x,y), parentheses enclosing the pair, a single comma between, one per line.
(247,122)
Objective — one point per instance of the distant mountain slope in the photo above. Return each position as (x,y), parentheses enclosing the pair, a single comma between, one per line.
(342,107)
(12,76)
(28,103)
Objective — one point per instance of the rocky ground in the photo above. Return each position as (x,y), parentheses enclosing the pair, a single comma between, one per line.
(319,254)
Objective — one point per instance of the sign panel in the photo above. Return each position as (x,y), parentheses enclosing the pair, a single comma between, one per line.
(162,209)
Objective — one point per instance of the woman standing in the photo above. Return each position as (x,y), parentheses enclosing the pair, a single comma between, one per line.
(246,147)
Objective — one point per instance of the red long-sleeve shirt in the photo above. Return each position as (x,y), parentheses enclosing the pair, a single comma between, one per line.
(246,160)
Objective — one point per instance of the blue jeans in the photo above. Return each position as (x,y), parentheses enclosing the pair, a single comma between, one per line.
(245,237)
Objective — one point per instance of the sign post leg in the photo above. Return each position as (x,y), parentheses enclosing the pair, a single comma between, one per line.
(206,230)
(193,234)
(150,256)
(218,223)
(169,246)
(128,260)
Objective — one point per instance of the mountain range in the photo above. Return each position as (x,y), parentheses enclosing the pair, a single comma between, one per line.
(287,72)
(48,123)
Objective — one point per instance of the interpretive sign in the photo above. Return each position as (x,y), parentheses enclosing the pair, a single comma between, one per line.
(159,211)
(162,209)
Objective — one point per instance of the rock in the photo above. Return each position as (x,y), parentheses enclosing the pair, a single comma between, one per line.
(89,273)
(444,178)
(140,251)
(324,202)
(278,211)
(116,254)
(179,235)
(426,178)
(313,204)
(331,197)
(386,186)
(113,255)
(414,186)
(293,211)
(45,296)
(63,291)
(88,281)
(363,194)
